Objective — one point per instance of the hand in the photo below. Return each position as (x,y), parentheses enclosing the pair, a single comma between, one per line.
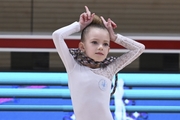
(110,25)
(86,18)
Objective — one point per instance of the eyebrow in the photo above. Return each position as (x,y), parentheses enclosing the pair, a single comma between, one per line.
(99,39)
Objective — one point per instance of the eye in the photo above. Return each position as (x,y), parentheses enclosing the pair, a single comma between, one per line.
(106,44)
(94,42)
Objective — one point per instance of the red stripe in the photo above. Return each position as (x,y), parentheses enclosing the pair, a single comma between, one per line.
(160,44)
(26,43)
(48,43)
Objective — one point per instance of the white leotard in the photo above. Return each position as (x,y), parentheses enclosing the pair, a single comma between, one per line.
(90,88)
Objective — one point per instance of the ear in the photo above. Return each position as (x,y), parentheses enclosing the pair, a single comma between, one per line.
(81,46)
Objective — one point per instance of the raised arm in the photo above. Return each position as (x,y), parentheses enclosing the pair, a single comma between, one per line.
(135,48)
(61,47)
(60,34)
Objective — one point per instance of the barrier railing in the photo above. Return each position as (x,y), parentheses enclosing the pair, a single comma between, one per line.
(58,79)
(65,94)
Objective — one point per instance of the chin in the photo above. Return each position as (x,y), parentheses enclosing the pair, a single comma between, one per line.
(99,60)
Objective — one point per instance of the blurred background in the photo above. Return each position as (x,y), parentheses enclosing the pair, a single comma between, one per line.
(155,22)
(26,44)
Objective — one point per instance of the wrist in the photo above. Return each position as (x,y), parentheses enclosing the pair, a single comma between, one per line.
(114,38)
(81,26)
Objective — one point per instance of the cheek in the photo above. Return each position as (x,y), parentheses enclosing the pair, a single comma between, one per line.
(107,49)
(90,50)
(90,47)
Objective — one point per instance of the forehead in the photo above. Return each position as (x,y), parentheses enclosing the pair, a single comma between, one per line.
(98,34)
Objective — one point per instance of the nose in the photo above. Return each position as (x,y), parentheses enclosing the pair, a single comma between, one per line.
(100,47)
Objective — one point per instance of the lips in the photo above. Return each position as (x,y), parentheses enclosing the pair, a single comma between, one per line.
(99,53)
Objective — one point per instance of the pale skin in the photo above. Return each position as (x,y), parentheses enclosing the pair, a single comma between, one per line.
(97,41)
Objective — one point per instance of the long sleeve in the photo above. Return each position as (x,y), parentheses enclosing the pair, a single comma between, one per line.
(61,47)
(135,50)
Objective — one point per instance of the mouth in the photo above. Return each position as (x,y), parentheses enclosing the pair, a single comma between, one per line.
(99,53)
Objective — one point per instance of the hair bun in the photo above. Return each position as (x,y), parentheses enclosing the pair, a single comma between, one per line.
(97,20)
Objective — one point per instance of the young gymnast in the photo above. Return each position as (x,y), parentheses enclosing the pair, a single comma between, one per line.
(90,72)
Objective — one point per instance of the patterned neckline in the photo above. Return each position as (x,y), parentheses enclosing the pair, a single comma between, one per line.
(82,59)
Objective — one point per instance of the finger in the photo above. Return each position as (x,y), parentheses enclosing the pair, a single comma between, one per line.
(84,16)
(88,12)
(92,16)
(113,24)
(109,23)
(81,17)
(89,15)
(87,9)
(102,18)
(110,28)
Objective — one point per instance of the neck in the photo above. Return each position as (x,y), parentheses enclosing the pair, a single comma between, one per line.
(93,66)
(82,59)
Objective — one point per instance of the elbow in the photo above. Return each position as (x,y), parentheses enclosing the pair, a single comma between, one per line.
(54,35)
(142,47)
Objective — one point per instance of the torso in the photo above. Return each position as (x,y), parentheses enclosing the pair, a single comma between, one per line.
(90,94)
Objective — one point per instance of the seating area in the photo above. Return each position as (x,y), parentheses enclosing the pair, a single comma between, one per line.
(36,16)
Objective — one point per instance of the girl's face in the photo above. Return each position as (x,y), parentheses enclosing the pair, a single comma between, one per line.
(96,44)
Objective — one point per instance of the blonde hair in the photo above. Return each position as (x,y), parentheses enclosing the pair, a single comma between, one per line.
(96,22)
